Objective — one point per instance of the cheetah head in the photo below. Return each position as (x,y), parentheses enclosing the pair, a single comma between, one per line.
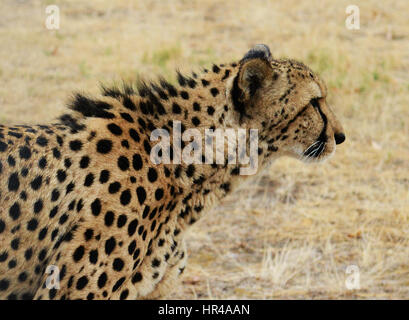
(286,102)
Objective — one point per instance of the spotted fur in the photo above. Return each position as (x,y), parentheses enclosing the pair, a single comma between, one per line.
(82,194)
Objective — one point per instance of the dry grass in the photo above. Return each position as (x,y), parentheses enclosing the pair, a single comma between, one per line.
(292,233)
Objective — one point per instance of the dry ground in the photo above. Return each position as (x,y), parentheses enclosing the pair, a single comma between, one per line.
(293,232)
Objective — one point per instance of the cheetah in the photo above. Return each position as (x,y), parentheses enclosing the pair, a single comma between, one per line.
(82,195)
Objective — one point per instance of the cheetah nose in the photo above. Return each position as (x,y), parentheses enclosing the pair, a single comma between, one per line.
(339,138)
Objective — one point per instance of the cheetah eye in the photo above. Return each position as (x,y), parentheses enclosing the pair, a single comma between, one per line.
(314,103)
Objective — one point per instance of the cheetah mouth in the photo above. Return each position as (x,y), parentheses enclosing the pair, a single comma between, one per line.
(315,150)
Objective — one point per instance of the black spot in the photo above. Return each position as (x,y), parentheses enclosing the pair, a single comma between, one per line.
(155,263)
(22,277)
(75,145)
(181,79)
(196,106)
(67,163)
(69,187)
(127,117)
(88,234)
(190,170)
(60,141)
(137,162)
(23,195)
(123,163)
(71,206)
(141,193)
(184,95)
(42,254)
(82,282)
(147,146)
(110,245)
(14,182)
(134,135)
(32,224)
(176,108)
(102,280)
(114,129)
(142,123)
(118,264)
(42,163)
(93,256)
(153,213)
(96,207)
(84,162)
(61,175)
(53,212)
(125,197)
(56,153)
(152,175)
(42,233)
(137,277)
(24,172)
(118,284)
(55,194)
(114,187)
(15,243)
(159,194)
(89,180)
(214,91)
(131,247)
(78,253)
(36,183)
(28,254)
(195,121)
(104,146)
(125,144)
(132,227)
(54,234)
(226,74)
(42,141)
(225,187)
(14,211)
(63,219)
(25,153)
(124,294)
(38,206)
(128,103)
(104,176)
(109,218)
(121,221)
(3,146)
(11,161)
(210,110)
(2,226)
(4,284)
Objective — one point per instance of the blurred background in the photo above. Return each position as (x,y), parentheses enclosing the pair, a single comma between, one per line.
(295,231)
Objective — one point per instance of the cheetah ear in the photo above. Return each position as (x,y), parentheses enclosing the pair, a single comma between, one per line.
(260,51)
(254,70)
